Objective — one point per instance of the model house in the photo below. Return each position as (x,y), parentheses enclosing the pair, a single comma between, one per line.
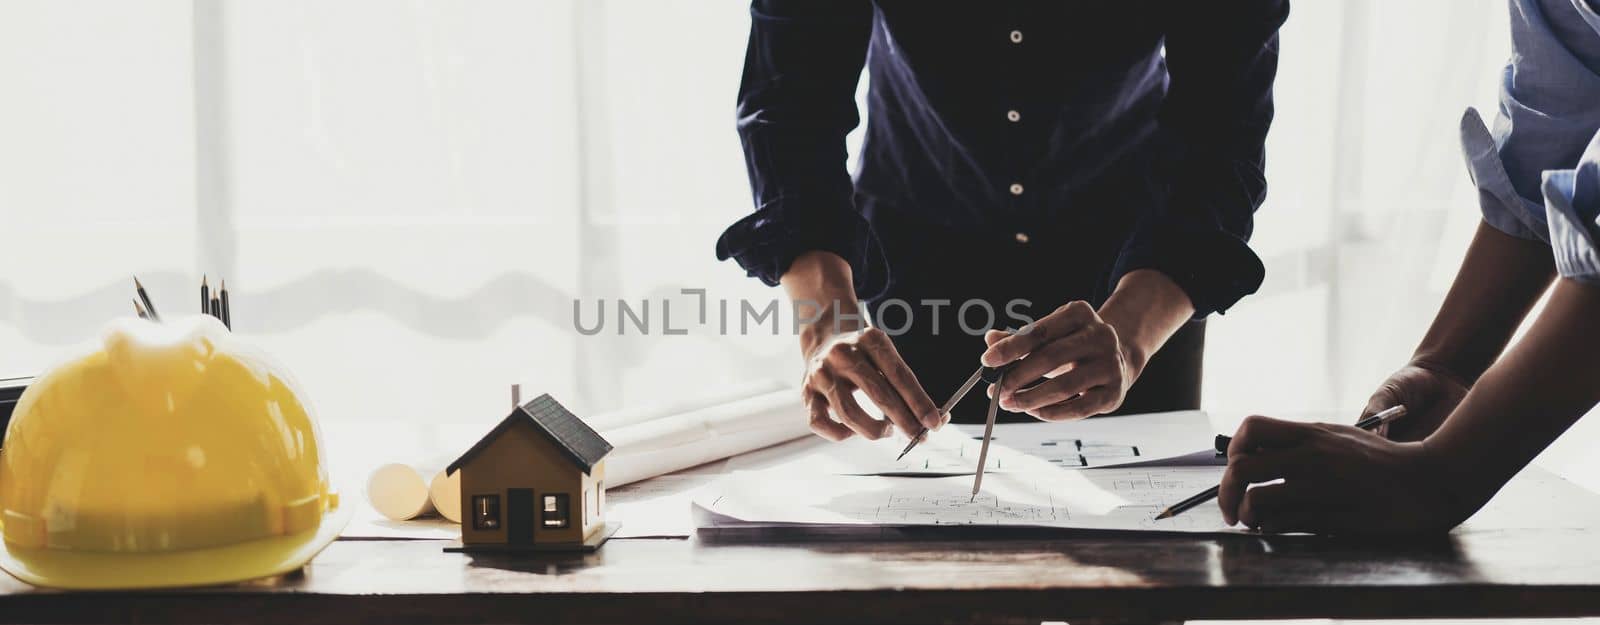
(536,481)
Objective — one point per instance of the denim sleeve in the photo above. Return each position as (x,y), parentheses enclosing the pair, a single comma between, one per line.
(1547,113)
(796,104)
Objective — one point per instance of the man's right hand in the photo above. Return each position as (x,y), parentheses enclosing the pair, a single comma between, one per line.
(843,355)
(1429,394)
(864,359)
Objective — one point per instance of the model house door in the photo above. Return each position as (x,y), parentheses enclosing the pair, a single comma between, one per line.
(519,516)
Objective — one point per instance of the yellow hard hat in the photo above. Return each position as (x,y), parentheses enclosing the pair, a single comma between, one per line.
(173,454)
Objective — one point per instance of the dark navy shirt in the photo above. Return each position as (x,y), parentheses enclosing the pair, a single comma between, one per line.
(1130,127)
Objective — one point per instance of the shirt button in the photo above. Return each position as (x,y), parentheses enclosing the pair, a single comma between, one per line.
(1022,237)
(1014,116)
(1016,36)
(1016,189)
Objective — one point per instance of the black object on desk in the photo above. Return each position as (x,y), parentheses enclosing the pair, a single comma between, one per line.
(10,391)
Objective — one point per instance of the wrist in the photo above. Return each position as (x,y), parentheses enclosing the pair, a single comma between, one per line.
(1145,310)
(1439,465)
(824,302)
(833,318)
(1444,365)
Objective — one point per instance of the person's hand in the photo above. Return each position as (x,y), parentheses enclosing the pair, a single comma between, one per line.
(1086,370)
(1429,394)
(838,363)
(1333,479)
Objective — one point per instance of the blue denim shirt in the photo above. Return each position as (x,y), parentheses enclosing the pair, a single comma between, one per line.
(1131,126)
(1538,170)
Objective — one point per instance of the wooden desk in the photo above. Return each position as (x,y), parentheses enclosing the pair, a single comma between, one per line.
(1534,552)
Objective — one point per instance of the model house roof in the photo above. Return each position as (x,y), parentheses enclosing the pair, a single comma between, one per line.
(579,442)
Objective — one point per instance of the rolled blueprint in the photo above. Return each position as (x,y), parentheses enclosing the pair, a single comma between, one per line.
(606,422)
(397,491)
(676,442)
(444,491)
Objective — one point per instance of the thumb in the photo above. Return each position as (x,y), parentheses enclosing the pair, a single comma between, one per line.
(993,336)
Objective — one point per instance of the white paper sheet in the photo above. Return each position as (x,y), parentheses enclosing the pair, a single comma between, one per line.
(657,507)
(1090,443)
(1102,499)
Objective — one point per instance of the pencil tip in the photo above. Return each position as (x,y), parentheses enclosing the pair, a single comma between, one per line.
(203,279)
(136,283)
(1165,514)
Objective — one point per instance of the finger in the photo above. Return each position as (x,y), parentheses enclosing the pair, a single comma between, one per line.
(1258,432)
(1054,357)
(864,376)
(1271,506)
(1245,470)
(1058,389)
(1381,400)
(821,423)
(1097,400)
(993,336)
(880,348)
(1065,320)
(850,364)
(850,413)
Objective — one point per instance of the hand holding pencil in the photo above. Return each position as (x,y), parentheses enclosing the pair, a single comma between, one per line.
(1285,476)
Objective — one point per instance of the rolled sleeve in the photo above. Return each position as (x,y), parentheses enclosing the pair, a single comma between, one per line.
(1572,205)
(1546,114)
(1503,209)
(767,241)
(1222,59)
(796,104)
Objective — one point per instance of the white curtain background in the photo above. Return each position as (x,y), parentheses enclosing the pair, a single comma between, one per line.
(407,197)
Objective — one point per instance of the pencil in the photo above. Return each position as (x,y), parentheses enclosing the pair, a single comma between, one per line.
(205,296)
(150,307)
(216,307)
(1370,422)
(137,308)
(227,317)
(1378,418)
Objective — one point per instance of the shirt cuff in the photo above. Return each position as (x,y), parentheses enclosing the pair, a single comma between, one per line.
(1502,208)
(767,241)
(1214,268)
(1572,205)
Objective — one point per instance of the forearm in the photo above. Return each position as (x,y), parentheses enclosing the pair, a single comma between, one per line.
(1527,399)
(1146,308)
(820,285)
(1499,281)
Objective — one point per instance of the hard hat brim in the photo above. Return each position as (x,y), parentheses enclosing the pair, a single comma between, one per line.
(99,570)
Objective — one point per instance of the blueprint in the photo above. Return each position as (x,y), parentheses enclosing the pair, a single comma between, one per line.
(1145,439)
(1103,499)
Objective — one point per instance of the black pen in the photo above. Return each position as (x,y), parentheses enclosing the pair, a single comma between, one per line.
(1378,418)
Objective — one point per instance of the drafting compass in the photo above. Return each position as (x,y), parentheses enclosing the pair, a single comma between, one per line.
(992,375)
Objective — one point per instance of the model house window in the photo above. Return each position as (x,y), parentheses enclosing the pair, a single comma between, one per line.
(486,512)
(588,508)
(555,510)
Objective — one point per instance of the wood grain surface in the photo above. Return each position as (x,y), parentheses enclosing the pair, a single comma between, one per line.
(1533,552)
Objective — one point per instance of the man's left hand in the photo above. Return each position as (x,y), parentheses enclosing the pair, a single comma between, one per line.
(1086,367)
